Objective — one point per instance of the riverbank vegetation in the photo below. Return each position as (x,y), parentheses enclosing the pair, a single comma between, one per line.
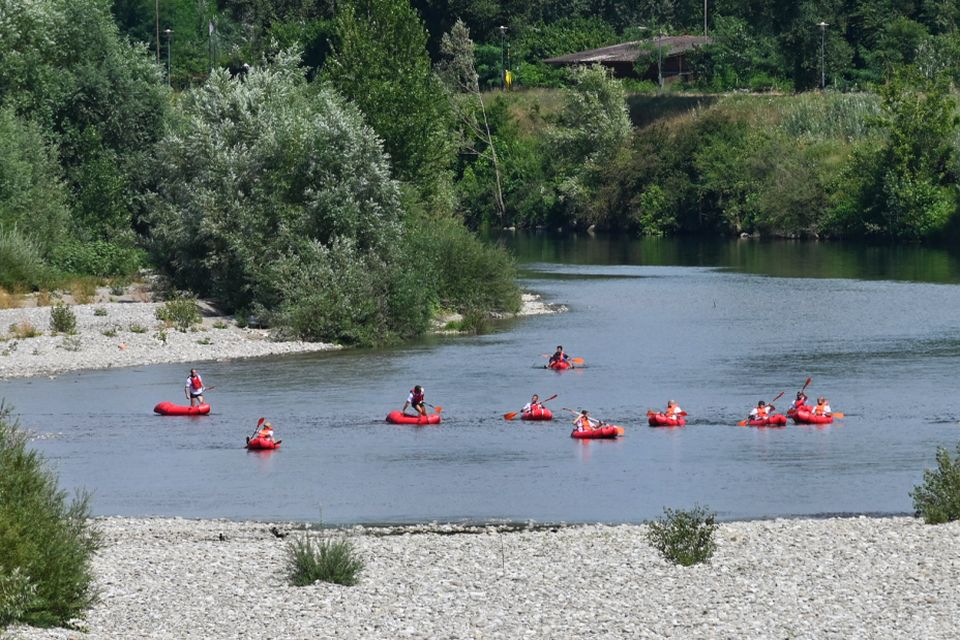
(48,540)
(937,498)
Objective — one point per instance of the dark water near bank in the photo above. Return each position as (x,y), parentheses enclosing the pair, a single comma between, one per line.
(715,325)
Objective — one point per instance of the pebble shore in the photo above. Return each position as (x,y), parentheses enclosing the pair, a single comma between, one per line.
(813,579)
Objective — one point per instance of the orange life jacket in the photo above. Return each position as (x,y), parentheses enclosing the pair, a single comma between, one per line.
(762,412)
(820,409)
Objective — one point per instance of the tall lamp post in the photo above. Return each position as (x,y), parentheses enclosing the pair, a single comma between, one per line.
(660,60)
(823,73)
(503,68)
(704,17)
(169,34)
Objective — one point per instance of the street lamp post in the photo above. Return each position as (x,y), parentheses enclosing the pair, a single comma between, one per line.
(823,73)
(169,34)
(704,17)
(503,69)
(660,61)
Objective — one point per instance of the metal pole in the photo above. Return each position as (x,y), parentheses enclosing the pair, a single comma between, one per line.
(169,33)
(660,61)
(503,77)
(823,71)
(157,17)
(704,17)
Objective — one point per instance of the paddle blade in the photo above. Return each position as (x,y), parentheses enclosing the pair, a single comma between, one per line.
(511,415)
(650,412)
(576,360)
(438,409)
(742,423)
(620,431)
(260,422)
(838,414)
(806,384)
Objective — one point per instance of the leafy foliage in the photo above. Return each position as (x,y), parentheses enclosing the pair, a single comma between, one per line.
(181,313)
(684,537)
(62,319)
(48,541)
(328,560)
(937,498)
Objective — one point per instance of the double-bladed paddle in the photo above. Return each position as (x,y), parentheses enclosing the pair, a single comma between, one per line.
(514,414)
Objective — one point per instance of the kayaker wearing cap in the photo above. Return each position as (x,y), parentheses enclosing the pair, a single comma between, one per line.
(822,408)
(266,431)
(559,356)
(533,406)
(761,411)
(673,409)
(584,422)
(416,401)
(194,389)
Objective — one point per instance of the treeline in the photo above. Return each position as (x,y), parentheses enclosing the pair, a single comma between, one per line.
(758,44)
(321,202)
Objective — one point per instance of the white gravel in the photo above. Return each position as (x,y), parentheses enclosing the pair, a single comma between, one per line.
(91,349)
(837,578)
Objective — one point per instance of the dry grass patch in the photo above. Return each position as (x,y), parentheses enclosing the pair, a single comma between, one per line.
(23,330)
(9,300)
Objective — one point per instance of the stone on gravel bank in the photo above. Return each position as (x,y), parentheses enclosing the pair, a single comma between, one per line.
(814,579)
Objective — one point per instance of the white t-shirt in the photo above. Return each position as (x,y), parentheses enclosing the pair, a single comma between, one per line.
(189,386)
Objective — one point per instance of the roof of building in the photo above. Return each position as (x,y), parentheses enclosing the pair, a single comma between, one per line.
(628,52)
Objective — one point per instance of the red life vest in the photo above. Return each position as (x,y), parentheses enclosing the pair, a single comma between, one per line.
(196,383)
(417,397)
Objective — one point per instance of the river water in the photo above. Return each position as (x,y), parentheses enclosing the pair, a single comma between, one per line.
(716,325)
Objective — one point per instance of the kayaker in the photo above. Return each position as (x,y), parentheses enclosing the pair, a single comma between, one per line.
(800,402)
(822,408)
(416,401)
(533,406)
(584,422)
(559,356)
(761,411)
(673,410)
(266,431)
(194,389)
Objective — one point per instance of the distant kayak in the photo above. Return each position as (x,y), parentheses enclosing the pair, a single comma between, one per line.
(776,420)
(607,433)
(559,365)
(540,414)
(261,444)
(170,409)
(808,417)
(398,417)
(661,420)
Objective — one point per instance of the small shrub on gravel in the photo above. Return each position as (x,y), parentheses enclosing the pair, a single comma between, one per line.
(100,312)
(24,330)
(62,319)
(684,537)
(71,343)
(329,560)
(181,313)
(937,498)
(47,540)
(137,328)
(219,324)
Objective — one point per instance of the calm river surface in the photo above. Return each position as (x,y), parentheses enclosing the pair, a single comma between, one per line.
(716,325)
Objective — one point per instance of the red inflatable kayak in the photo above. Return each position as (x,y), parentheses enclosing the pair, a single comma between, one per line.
(262,444)
(607,432)
(559,365)
(170,409)
(661,420)
(397,417)
(539,414)
(808,417)
(776,420)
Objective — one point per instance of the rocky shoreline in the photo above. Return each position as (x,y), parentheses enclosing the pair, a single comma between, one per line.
(834,578)
(127,333)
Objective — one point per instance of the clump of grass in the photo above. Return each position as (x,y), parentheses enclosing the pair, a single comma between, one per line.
(100,311)
(684,537)
(220,324)
(181,313)
(71,343)
(110,333)
(47,540)
(137,328)
(118,286)
(335,561)
(937,498)
(43,298)
(8,300)
(23,330)
(62,319)
(83,290)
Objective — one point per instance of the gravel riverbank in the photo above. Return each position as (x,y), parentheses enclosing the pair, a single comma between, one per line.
(127,333)
(834,578)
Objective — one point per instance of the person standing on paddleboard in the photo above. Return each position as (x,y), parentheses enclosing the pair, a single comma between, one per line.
(194,389)
(416,401)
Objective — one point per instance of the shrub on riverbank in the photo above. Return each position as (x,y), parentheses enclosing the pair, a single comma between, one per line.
(47,540)
(937,498)
(326,559)
(684,537)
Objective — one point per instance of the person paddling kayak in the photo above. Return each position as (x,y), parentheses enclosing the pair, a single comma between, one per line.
(194,389)
(761,411)
(673,410)
(800,402)
(534,406)
(558,357)
(584,422)
(265,432)
(822,408)
(415,401)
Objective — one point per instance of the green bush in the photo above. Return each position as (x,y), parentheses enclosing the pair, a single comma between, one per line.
(181,313)
(98,258)
(62,319)
(684,537)
(328,560)
(21,265)
(937,499)
(47,541)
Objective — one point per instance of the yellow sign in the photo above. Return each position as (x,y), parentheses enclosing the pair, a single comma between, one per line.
(508,78)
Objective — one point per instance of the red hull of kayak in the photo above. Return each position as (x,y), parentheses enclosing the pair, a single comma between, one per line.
(543,414)
(807,417)
(596,434)
(560,365)
(397,417)
(776,420)
(260,444)
(660,420)
(170,409)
